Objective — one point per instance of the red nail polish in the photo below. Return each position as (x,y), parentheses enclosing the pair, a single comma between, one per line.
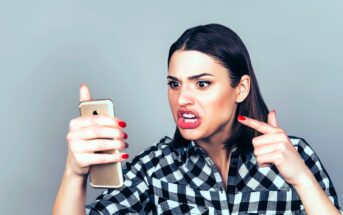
(126,145)
(125,156)
(241,117)
(125,136)
(122,124)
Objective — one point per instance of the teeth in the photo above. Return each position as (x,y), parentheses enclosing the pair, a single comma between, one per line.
(188,115)
(190,120)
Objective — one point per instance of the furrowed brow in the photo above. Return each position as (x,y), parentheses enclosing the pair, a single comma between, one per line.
(193,77)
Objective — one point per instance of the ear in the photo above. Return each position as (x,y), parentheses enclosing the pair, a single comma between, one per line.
(243,88)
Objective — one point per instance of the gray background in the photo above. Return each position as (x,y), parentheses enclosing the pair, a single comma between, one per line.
(47,49)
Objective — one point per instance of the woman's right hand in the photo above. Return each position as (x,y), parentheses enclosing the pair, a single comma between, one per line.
(86,136)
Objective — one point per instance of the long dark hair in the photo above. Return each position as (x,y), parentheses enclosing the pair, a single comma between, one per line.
(227,48)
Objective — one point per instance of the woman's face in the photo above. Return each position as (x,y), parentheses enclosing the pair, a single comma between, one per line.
(202,101)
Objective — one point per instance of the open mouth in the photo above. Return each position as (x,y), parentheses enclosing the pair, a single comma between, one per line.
(188,119)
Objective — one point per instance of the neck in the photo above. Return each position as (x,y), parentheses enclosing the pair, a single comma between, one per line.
(220,157)
(214,147)
(216,151)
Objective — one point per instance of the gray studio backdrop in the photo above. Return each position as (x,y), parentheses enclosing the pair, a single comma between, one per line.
(48,48)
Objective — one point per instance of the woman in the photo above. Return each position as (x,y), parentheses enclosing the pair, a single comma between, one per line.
(228,154)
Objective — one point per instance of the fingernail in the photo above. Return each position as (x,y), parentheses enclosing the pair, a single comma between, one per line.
(125,156)
(241,117)
(125,136)
(122,124)
(126,145)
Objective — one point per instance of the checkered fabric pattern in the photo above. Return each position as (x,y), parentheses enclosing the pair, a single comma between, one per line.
(165,179)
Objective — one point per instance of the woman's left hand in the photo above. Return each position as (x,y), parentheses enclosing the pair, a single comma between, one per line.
(274,147)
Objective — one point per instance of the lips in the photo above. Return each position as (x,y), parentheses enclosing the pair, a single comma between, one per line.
(188,122)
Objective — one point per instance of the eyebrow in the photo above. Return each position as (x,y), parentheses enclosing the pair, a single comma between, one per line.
(190,77)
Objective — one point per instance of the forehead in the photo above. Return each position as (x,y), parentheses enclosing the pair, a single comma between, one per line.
(188,63)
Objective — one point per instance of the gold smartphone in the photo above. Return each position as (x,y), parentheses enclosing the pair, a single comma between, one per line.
(103,175)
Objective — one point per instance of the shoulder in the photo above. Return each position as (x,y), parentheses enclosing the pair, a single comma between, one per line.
(155,150)
(151,156)
(316,166)
(304,148)
(310,158)
(298,141)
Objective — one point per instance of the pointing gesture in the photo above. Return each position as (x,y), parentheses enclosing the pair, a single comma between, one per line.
(274,147)
(262,127)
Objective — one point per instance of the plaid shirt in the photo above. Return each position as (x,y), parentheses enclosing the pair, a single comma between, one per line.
(165,179)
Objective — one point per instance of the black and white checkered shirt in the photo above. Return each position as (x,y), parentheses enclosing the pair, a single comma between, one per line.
(165,179)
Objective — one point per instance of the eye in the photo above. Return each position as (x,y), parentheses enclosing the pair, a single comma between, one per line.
(173,84)
(203,84)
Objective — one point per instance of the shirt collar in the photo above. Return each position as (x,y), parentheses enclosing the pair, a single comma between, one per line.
(244,170)
(193,149)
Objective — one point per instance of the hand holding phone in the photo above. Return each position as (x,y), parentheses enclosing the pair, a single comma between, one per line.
(94,141)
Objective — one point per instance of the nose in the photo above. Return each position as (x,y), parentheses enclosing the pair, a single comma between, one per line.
(185,96)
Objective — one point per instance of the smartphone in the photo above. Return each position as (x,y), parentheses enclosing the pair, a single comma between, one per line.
(103,175)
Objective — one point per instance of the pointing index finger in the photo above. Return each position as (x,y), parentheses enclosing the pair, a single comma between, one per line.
(259,126)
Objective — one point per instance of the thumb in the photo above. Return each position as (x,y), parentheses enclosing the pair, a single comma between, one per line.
(272,119)
(85,94)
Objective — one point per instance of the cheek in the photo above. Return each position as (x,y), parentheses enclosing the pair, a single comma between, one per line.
(220,105)
(171,99)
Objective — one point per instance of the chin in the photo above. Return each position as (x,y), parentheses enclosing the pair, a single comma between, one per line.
(189,134)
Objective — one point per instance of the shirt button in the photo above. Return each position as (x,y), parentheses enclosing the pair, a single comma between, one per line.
(209,161)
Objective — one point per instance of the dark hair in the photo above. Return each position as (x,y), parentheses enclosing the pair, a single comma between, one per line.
(227,48)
